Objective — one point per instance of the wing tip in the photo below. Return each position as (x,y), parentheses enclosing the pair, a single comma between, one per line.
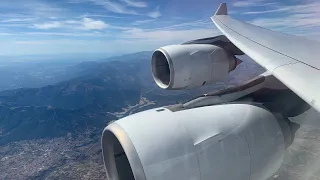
(222,10)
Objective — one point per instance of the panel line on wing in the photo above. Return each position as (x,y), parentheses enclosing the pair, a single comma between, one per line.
(264,45)
(286,65)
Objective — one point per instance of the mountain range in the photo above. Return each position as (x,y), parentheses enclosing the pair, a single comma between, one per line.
(83,105)
(93,98)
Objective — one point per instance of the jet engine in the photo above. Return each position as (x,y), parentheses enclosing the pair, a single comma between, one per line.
(227,141)
(194,63)
(190,65)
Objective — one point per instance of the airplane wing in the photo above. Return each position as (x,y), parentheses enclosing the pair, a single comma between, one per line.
(293,60)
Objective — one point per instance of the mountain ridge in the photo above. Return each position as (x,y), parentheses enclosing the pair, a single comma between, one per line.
(108,89)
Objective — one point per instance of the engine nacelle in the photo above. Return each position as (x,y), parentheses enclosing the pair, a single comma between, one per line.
(230,141)
(191,65)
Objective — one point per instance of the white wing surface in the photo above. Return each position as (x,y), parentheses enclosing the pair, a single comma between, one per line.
(294,60)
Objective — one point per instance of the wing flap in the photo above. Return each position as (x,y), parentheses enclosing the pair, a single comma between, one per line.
(291,59)
(302,80)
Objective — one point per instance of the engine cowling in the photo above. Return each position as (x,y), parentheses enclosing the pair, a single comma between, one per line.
(191,65)
(230,141)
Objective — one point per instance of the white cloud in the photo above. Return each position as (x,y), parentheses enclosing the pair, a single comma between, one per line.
(295,19)
(84,24)
(139,4)
(71,27)
(10,25)
(307,15)
(72,21)
(142,21)
(301,8)
(50,25)
(243,3)
(252,3)
(103,16)
(90,24)
(17,20)
(34,8)
(167,36)
(64,34)
(53,17)
(263,12)
(113,7)
(291,21)
(202,23)
(6,34)
(125,41)
(110,6)
(92,33)
(155,13)
(31,42)
(48,42)
(65,46)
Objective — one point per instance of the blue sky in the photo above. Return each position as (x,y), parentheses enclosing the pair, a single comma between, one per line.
(122,26)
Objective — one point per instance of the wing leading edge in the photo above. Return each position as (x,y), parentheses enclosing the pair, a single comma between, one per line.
(291,59)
